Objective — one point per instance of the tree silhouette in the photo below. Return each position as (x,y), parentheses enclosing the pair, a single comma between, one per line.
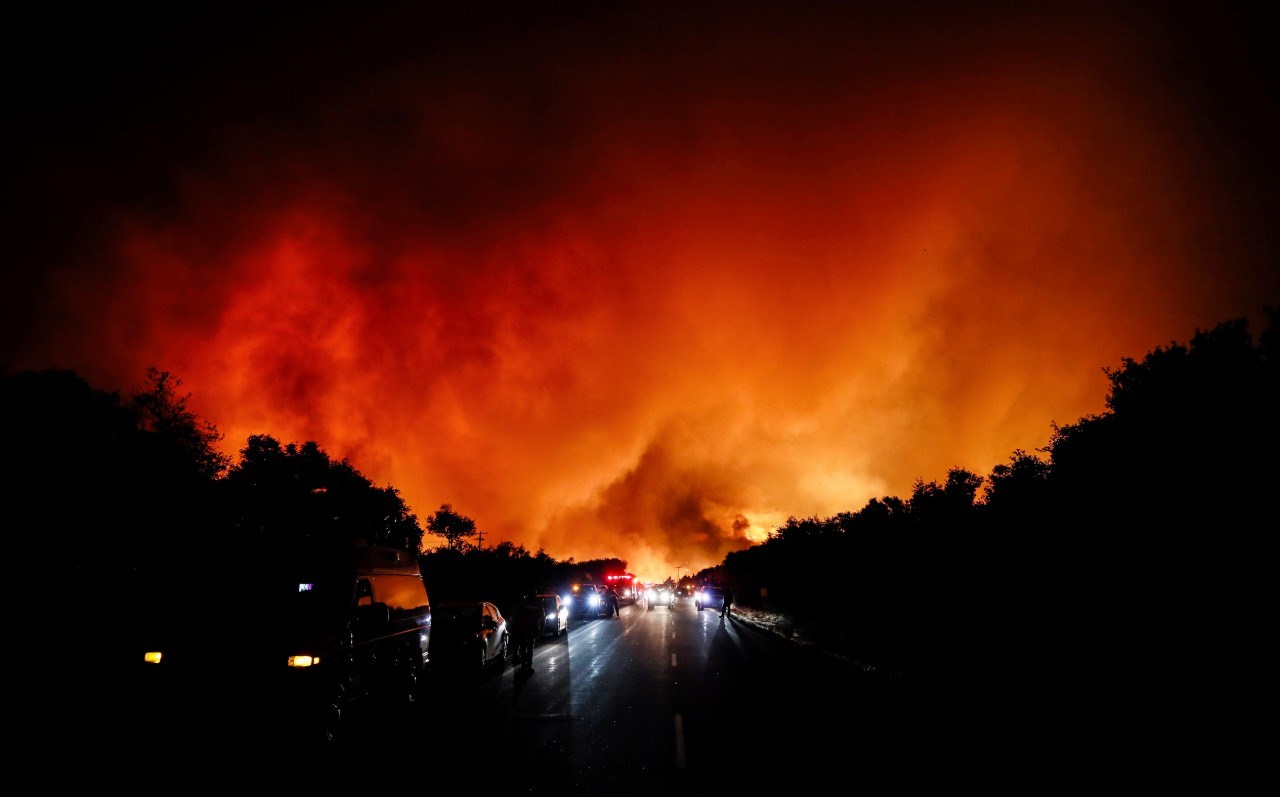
(501,574)
(1130,564)
(1020,486)
(120,492)
(144,466)
(296,494)
(455,528)
(164,413)
(952,499)
(595,570)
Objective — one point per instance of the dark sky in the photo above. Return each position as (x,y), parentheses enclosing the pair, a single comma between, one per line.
(636,279)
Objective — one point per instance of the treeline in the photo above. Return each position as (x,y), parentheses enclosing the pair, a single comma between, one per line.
(502,573)
(113,485)
(505,572)
(1122,573)
(131,494)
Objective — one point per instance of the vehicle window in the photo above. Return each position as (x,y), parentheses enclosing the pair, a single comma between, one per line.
(403,595)
(364,592)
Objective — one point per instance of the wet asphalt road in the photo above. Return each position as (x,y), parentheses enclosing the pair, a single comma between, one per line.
(677,701)
(656,701)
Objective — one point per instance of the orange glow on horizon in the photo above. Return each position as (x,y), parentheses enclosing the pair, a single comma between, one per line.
(652,313)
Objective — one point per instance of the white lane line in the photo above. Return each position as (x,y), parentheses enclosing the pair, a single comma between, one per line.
(673,659)
(680,761)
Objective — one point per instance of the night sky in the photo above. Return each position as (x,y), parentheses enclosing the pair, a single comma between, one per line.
(636,279)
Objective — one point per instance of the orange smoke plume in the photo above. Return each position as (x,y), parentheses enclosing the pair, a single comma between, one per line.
(639,292)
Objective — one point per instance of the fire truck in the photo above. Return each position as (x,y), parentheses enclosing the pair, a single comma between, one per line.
(626,585)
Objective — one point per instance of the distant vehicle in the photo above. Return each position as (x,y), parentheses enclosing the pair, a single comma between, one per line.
(626,586)
(587,600)
(709,598)
(660,595)
(311,635)
(468,635)
(555,614)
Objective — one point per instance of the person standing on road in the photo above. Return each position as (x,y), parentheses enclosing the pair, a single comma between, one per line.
(612,597)
(728,601)
(525,627)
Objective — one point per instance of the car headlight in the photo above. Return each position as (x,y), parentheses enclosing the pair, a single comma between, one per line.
(594,600)
(551,616)
(303,661)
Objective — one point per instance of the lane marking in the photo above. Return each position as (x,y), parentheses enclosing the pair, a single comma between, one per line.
(673,659)
(680,760)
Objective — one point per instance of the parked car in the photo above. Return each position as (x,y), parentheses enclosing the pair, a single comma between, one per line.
(709,598)
(555,614)
(468,635)
(298,638)
(660,595)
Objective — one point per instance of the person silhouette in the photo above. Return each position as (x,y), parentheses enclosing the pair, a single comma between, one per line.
(525,625)
(728,601)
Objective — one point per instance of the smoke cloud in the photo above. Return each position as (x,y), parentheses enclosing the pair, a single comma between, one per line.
(645,284)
